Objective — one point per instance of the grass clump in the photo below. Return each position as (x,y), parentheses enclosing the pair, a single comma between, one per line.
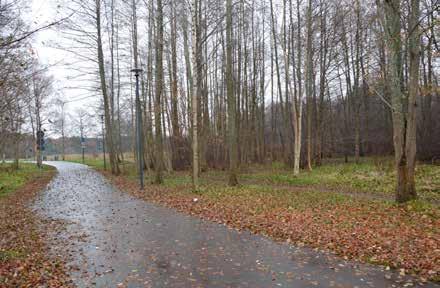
(371,176)
(11,255)
(12,179)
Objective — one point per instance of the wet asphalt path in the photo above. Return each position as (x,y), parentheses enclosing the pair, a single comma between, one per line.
(116,240)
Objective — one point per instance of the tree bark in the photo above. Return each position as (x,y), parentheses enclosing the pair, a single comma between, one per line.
(159,153)
(403,107)
(108,121)
(194,96)
(309,84)
(232,135)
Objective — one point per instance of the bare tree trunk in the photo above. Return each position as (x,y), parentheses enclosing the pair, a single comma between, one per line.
(174,88)
(403,108)
(108,121)
(138,113)
(194,96)
(17,140)
(277,69)
(176,133)
(413,93)
(118,97)
(297,101)
(159,89)
(149,151)
(232,135)
(357,88)
(309,84)
(323,53)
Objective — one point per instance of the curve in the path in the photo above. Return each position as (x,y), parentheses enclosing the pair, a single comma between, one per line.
(117,241)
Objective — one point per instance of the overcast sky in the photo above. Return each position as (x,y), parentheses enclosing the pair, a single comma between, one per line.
(43,13)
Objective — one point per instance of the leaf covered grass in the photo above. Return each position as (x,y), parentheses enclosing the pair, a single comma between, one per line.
(97,162)
(312,210)
(24,258)
(371,176)
(12,179)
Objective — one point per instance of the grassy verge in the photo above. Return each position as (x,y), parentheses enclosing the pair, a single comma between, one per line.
(11,179)
(98,163)
(372,176)
(315,210)
(95,162)
(24,258)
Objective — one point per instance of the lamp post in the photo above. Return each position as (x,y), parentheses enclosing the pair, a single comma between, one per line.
(83,146)
(103,140)
(139,148)
(40,144)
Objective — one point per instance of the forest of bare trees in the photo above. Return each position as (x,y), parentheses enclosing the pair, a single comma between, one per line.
(226,84)
(24,82)
(219,143)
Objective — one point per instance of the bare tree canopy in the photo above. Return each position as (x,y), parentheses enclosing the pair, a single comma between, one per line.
(226,84)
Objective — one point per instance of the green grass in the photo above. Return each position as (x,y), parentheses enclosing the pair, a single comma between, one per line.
(372,176)
(375,177)
(11,254)
(97,163)
(11,179)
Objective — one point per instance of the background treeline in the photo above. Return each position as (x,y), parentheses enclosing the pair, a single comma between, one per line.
(325,58)
(230,83)
(24,82)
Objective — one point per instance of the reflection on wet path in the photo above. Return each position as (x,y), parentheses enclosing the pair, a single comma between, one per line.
(118,241)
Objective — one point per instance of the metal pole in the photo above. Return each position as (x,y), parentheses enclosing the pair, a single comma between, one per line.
(139,148)
(82,146)
(40,148)
(103,140)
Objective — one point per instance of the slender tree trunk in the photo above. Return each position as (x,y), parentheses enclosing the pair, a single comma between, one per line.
(108,122)
(297,101)
(139,138)
(324,43)
(149,151)
(176,136)
(174,88)
(159,89)
(232,135)
(277,69)
(309,84)
(194,96)
(357,89)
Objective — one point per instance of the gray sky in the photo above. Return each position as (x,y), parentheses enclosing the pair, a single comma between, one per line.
(43,13)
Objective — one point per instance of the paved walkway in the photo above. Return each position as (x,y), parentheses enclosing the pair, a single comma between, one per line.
(116,240)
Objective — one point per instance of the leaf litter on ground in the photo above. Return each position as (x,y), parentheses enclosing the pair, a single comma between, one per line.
(405,237)
(25,258)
